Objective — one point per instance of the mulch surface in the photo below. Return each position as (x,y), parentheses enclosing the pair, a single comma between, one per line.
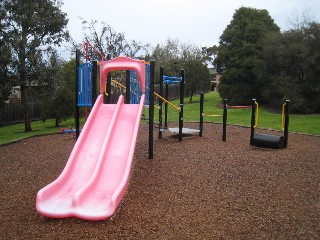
(200,188)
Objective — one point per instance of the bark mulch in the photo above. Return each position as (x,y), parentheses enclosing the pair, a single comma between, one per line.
(200,188)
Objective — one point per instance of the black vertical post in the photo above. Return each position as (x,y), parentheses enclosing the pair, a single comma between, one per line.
(151,109)
(127,98)
(224,121)
(160,104)
(286,124)
(94,82)
(77,113)
(166,107)
(180,122)
(201,114)
(108,98)
(253,120)
(182,73)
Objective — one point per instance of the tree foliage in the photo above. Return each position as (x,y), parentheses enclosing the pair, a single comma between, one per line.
(239,59)
(107,41)
(293,60)
(59,92)
(30,27)
(175,55)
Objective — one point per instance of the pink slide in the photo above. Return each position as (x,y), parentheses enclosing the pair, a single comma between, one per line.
(96,175)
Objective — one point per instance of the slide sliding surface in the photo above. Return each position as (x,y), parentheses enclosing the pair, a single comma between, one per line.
(55,200)
(99,199)
(96,175)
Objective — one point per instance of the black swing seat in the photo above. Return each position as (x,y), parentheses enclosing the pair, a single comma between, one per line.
(267,141)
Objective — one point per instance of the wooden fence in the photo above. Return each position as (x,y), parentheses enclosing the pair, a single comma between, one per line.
(13,112)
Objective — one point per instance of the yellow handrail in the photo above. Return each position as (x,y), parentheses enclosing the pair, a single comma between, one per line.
(211,115)
(165,100)
(105,90)
(114,81)
(257,114)
(282,116)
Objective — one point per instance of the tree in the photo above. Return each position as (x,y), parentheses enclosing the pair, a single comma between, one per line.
(5,61)
(239,59)
(30,27)
(293,68)
(107,41)
(175,55)
(58,97)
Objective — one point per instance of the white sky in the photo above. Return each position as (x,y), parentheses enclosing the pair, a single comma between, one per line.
(200,22)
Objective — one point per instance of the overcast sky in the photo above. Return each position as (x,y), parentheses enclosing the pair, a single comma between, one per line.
(200,22)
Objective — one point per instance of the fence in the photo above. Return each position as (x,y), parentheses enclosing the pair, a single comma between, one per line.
(13,112)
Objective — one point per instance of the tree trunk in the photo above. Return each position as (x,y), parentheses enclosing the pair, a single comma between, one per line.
(191,95)
(57,122)
(24,101)
(23,82)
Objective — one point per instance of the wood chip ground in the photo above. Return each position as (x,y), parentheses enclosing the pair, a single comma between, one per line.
(200,188)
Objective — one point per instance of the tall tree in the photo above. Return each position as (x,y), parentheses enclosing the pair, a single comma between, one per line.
(175,55)
(293,59)
(5,61)
(30,27)
(239,59)
(107,41)
(58,97)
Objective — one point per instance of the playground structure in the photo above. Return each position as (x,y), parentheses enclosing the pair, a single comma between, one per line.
(262,140)
(224,117)
(171,80)
(180,130)
(96,175)
(268,140)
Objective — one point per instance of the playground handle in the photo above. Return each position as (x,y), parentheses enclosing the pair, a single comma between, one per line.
(238,106)
(165,100)
(211,115)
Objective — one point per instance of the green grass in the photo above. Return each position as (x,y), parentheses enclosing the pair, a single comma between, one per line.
(16,132)
(309,124)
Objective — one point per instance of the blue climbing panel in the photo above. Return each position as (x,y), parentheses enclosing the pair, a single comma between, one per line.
(85,85)
(135,90)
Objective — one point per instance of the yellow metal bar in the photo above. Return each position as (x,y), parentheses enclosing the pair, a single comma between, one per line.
(114,81)
(165,100)
(257,114)
(105,90)
(282,116)
(211,115)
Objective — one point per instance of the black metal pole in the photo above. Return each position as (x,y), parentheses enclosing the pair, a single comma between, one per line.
(166,107)
(77,113)
(253,120)
(108,98)
(127,98)
(182,73)
(201,114)
(224,122)
(94,81)
(151,109)
(160,104)
(180,122)
(286,124)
